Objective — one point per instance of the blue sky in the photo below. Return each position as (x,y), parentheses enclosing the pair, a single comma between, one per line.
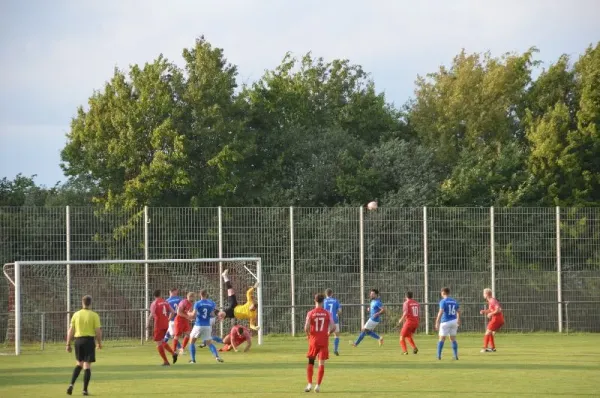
(54,53)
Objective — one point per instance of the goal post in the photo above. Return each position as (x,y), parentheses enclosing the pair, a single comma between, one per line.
(120,290)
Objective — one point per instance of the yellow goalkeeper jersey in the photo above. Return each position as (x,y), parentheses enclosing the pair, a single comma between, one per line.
(243,311)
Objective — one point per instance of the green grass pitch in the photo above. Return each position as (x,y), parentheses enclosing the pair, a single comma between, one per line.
(541,365)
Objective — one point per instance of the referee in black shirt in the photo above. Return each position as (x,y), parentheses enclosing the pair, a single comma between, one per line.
(85,327)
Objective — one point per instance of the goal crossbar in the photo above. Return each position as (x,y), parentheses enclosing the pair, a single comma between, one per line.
(16,281)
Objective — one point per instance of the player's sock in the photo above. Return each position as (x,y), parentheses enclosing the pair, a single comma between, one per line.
(361,336)
(486,340)
(309,372)
(320,374)
(411,342)
(492,342)
(440,348)
(193,352)
(213,349)
(403,345)
(87,375)
(76,372)
(373,334)
(455,348)
(168,348)
(336,344)
(178,345)
(161,352)
(186,340)
(217,339)
(175,344)
(167,337)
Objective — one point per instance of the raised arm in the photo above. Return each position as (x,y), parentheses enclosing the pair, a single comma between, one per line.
(249,293)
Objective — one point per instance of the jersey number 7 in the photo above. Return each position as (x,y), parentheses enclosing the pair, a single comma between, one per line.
(319,323)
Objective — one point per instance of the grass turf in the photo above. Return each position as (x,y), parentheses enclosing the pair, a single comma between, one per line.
(547,365)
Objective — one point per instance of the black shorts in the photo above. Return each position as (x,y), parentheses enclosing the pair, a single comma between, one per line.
(85,349)
(231,304)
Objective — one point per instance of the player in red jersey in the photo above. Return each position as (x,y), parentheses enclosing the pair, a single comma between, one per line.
(496,317)
(237,336)
(410,317)
(160,311)
(182,322)
(319,324)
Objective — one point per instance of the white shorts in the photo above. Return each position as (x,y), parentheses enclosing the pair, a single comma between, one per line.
(201,333)
(371,324)
(171,330)
(449,328)
(213,320)
(337,328)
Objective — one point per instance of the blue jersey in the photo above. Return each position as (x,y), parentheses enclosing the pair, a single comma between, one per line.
(450,307)
(174,302)
(376,306)
(332,305)
(204,310)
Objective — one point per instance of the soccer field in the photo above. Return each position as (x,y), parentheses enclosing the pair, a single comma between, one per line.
(525,365)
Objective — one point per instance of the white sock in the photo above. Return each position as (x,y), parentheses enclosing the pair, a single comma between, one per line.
(225,278)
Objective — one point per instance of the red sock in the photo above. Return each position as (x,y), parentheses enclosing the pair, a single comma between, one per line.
(167,348)
(491,340)
(161,351)
(402,344)
(411,342)
(225,348)
(175,344)
(186,340)
(320,374)
(486,339)
(309,373)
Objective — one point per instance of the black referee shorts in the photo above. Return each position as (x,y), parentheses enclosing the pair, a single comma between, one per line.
(85,349)
(231,304)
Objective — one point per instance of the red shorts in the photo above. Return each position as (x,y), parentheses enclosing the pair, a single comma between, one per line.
(182,327)
(159,333)
(319,351)
(409,329)
(495,323)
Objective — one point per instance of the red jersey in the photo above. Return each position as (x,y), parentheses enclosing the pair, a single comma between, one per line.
(411,309)
(236,338)
(319,320)
(160,310)
(186,306)
(493,306)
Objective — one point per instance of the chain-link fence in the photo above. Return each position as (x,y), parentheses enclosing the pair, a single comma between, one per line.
(542,263)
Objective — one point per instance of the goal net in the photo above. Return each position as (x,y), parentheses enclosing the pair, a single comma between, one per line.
(44,295)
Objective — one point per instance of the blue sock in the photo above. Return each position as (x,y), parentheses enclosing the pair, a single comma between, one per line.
(178,345)
(193,351)
(336,344)
(167,337)
(440,347)
(455,348)
(213,349)
(360,337)
(217,339)
(373,334)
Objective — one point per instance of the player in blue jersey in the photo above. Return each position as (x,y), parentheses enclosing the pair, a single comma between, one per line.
(376,309)
(203,312)
(173,301)
(334,307)
(447,322)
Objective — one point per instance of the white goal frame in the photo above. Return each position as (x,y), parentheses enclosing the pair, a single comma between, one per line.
(17,282)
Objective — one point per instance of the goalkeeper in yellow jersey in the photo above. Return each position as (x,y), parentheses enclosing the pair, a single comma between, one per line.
(248,311)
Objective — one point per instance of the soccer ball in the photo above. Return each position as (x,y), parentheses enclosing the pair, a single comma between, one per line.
(372,205)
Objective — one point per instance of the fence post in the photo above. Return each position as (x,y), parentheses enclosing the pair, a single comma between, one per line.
(362,264)
(43,323)
(425,270)
(493,251)
(146,257)
(220,248)
(292,271)
(558,271)
(68,249)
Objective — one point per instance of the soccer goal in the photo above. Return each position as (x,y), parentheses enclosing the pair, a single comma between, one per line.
(44,294)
